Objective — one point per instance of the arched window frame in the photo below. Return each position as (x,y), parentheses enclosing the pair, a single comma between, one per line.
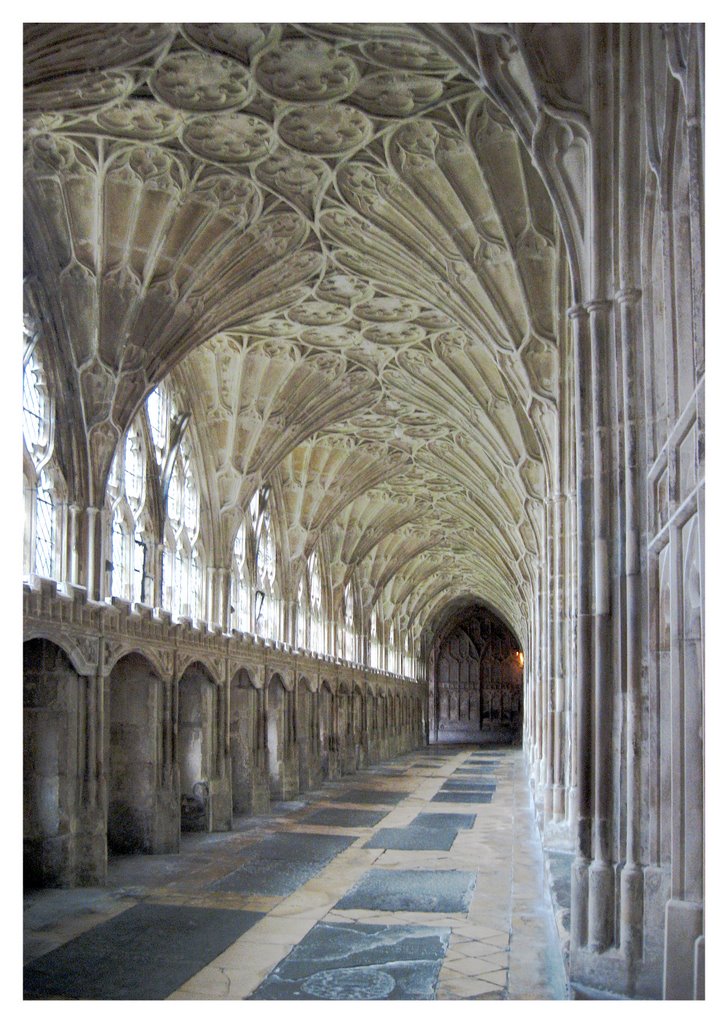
(182,535)
(240,579)
(349,624)
(374,645)
(130,538)
(45,490)
(315,604)
(267,592)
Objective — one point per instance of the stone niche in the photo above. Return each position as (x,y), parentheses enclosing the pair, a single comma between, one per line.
(477,687)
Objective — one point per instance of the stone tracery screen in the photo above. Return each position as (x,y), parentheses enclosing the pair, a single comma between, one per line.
(478,680)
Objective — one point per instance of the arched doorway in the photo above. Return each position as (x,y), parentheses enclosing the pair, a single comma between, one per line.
(476,680)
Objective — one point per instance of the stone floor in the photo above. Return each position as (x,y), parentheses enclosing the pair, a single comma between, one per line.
(367,888)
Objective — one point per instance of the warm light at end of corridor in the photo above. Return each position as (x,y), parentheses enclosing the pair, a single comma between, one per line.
(519,659)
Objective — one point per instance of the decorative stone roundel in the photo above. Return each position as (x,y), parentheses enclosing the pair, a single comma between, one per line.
(325,130)
(342,288)
(229,138)
(386,308)
(236,40)
(319,314)
(78,92)
(394,334)
(407,55)
(336,337)
(397,95)
(301,70)
(201,81)
(144,120)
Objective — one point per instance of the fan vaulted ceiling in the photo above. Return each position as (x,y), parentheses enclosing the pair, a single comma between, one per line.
(340,250)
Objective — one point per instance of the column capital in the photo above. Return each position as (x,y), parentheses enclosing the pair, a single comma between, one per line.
(598,306)
(577,311)
(628,296)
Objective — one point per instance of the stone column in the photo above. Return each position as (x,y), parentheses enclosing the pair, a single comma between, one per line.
(601,872)
(583,703)
(73,511)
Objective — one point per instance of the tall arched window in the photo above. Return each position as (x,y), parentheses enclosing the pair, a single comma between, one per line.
(240,582)
(43,483)
(130,534)
(267,598)
(316,605)
(349,634)
(390,653)
(184,556)
(373,641)
(302,613)
(409,661)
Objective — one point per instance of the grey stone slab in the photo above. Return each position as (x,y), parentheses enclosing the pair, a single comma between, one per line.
(368,796)
(444,820)
(279,864)
(344,817)
(359,961)
(145,952)
(468,787)
(412,838)
(462,797)
(443,892)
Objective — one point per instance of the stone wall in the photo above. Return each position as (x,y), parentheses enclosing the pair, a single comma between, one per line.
(131,717)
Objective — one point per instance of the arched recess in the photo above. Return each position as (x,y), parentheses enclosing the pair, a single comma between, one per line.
(143,813)
(359,727)
(50,762)
(246,741)
(277,735)
(476,679)
(307,737)
(197,738)
(327,734)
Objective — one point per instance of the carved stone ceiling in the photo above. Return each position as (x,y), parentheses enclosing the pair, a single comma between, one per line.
(341,251)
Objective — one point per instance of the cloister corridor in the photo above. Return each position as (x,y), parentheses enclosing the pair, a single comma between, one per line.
(319,899)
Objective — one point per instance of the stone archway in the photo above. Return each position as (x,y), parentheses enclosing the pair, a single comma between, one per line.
(143,812)
(476,680)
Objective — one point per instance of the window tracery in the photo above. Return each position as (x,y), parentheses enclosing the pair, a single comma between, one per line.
(349,633)
(43,483)
(267,596)
(240,582)
(183,547)
(130,536)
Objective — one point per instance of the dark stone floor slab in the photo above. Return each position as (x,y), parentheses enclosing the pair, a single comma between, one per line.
(462,798)
(444,892)
(368,796)
(412,838)
(359,961)
(280,863)
(444,820)
(344,818)
(145,952)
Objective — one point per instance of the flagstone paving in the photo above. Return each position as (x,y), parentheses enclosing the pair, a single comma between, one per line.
(363,889)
